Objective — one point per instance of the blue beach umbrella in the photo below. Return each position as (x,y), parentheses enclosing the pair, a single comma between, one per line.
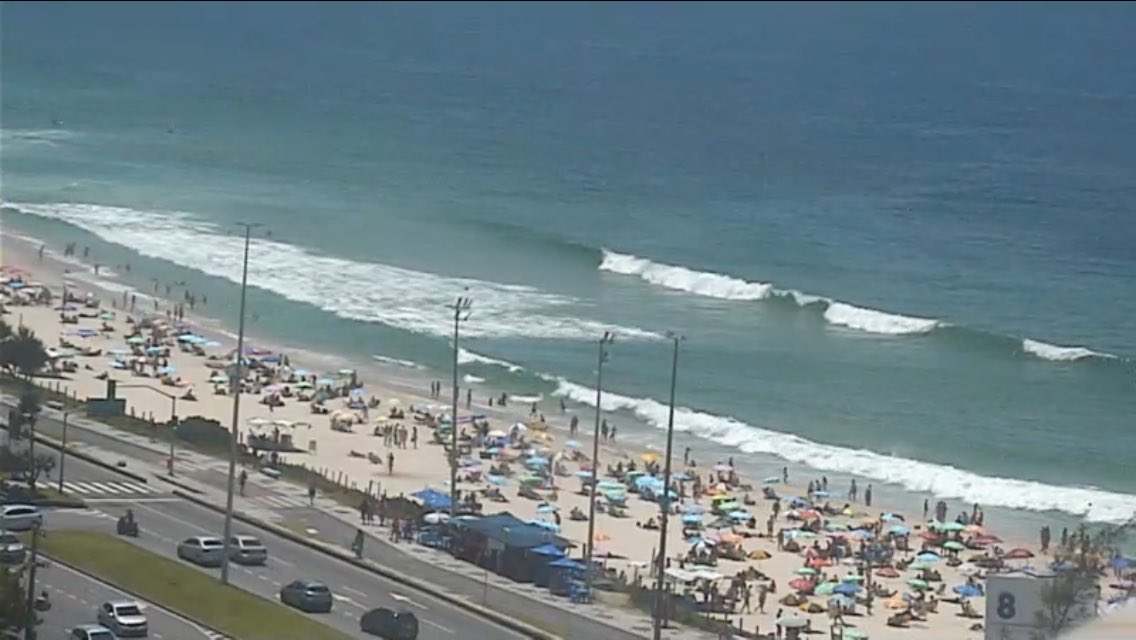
(167,370)
(1120,562)
(497,481)
(848,589)
(691,518)
(771,480)
(740,515)
(967,591)
(694,508)
(585,474)
(572,444)
(890,517)
(546,509)
(899,530)
(927,558)
(536,461)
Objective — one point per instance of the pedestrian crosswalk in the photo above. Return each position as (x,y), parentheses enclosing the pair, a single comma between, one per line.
(90,488)
(279,501)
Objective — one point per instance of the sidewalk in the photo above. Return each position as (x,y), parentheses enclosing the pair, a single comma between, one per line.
(426,564)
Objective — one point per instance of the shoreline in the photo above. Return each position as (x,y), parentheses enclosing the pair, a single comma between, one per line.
(622,537)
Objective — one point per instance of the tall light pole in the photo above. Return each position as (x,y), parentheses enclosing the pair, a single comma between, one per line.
(173,417)
(461,311)
(63,450)
(604,340)
(660,617)
(236,409)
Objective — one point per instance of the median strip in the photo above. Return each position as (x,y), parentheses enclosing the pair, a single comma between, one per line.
(195,595)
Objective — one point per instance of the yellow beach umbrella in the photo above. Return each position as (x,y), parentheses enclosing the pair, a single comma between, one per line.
(649,457)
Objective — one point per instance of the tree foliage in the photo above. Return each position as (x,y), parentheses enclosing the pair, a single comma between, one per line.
(1075,590)
(13,601)
(21,351)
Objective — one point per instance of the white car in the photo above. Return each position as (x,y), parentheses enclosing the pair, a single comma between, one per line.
(207,551)
(124,618)
(19,517)
(247,550)
(90,632)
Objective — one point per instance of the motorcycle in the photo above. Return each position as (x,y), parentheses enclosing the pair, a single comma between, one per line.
(42,602)
(127,525)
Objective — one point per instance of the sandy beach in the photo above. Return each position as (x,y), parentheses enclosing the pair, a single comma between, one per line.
(802,549)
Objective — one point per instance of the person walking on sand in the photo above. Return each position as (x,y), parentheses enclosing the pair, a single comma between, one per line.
(390,463)
(312,493)
(468,398)
(925,505)
(868,496)
(603,431)
(762,592)
(613,433)
(852,490)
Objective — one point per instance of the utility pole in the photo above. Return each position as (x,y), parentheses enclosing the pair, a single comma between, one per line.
(63,451)
(589,548)
(461,309)
(236,382)
(30,612)
(660,616)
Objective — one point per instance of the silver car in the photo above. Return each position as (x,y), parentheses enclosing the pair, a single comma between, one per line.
(206,551)
(12,551)
(124,618)
(247,550)
(90,632)
(19,517)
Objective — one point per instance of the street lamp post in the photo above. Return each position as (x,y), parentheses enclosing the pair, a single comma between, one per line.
(63,450)
(173,418)
(660,617)
(461,308)
(228,534)
(589,547)
(30,620)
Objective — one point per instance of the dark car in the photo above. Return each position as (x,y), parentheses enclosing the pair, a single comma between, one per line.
(307,595)
(390,625)
(12,551)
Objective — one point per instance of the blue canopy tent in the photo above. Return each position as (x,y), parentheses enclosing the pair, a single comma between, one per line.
(541,557)
(561,574)
(432,499)
(509,540)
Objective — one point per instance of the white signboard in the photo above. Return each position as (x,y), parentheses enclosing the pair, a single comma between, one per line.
(1013,603)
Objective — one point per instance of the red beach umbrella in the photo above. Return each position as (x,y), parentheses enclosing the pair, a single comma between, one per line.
(1018,554)
(888,572)
(802,585)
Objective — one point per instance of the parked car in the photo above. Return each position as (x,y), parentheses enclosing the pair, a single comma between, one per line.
(247,550)
(19,517)
(90,632)
(207,551)
(307,595)
(12,551)
(389,624)
(124,618)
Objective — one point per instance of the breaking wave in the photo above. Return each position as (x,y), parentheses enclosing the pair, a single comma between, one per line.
(943,481)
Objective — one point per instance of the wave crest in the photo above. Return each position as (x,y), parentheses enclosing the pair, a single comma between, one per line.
(703,283)
(468,357)
(1056,353)
(873,321)
(943,481)
(401,298)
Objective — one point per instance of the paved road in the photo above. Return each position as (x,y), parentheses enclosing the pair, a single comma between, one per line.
(95,484)
(75,599)
(164,523)
(591,623)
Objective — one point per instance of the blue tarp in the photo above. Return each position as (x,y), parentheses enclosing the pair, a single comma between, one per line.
(432,499)
(547,550)
(566,563)
(514,532)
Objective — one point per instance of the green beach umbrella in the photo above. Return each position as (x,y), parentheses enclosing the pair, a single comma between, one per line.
(825,589)
(836,526)
(303,384)
(136,340)
(916,583)
(219,378)
(854,634)
(806,571)
(954,545)
(852,577)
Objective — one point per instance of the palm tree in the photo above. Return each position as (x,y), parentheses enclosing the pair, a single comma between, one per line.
(29,408)
(22,352)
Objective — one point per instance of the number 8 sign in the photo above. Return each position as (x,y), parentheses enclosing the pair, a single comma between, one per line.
(1006,606)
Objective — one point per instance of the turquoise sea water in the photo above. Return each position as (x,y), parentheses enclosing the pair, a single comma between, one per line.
(882,229)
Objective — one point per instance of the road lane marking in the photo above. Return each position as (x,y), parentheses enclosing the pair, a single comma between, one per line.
(401,598)
(435,624)
(130,499)
(355,591)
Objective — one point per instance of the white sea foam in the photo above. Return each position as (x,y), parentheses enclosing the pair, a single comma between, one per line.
(402,363)
(1057,353)
(527,399)
(369,292)
(468,357)
(724,287)
(712,285)
(50,137)
(872,321)
(942,481)
(472,379)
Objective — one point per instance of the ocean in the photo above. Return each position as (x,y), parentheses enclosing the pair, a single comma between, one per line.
(897,239)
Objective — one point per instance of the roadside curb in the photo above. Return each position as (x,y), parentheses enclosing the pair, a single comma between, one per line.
(85,457)
(217,635)
(414,583)
(179,485)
